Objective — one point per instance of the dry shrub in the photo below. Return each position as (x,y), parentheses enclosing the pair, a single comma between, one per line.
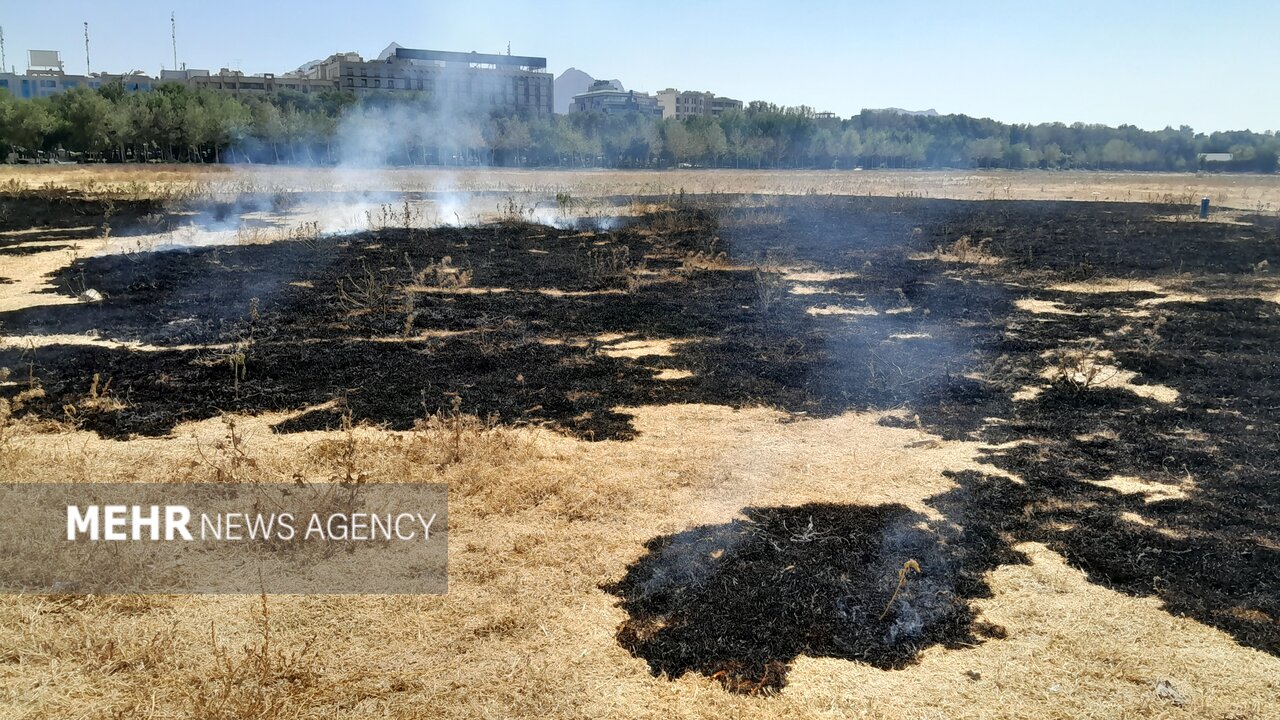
(594,216)
(1149,338)
(343,454)
(403,216)
(227,460)
(683,214)
(9,409)
(696,260)
(366,291)
(770,284)
(448,438)
(97,400)
(1080,368)
(515,215)
(261,679)
(611,266)
(439,274)
(307,233)
(770,289)
(966,250)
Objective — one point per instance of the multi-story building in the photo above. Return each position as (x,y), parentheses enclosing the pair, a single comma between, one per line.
(43,83)
(604,97)
(720,104)
(454,80)
(238,83)
(690,103)
(184,75)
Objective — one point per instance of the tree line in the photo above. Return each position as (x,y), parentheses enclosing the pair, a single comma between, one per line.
(176,124)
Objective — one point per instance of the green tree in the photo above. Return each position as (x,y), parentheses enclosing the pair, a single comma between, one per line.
(84,117)
(30,124)
(986,152)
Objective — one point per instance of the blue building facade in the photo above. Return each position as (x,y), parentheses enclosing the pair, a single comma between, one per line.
(43,84)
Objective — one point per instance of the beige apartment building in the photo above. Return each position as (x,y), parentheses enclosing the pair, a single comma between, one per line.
(603,97)
(464,81)
(237,83)
(690,103)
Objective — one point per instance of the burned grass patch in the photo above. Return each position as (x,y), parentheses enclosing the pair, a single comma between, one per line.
(1197,525)
(740,601)
(315,320)
(60,210)
(32,248)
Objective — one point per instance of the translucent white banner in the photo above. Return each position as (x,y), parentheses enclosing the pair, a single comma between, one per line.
(223,538)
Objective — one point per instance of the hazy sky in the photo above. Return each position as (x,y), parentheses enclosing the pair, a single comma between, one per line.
(1211,65)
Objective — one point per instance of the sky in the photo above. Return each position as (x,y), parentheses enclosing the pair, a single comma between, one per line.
(1213,66)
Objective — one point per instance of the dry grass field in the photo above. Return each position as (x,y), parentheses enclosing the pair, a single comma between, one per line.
(692,439)
(1245,192)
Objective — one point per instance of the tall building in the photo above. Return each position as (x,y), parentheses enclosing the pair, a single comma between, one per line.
(604,96)
(690,103)
(465,81)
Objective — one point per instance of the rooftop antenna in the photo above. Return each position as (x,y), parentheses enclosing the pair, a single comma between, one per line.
(2,60)
(173,36)
(508,48)
(87,70)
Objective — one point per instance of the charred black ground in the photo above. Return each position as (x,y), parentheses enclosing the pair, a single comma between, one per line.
(739,601)
(947,343)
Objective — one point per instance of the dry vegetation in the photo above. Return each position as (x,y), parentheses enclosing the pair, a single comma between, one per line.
(541,519)
(538,522)
(1244,192)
